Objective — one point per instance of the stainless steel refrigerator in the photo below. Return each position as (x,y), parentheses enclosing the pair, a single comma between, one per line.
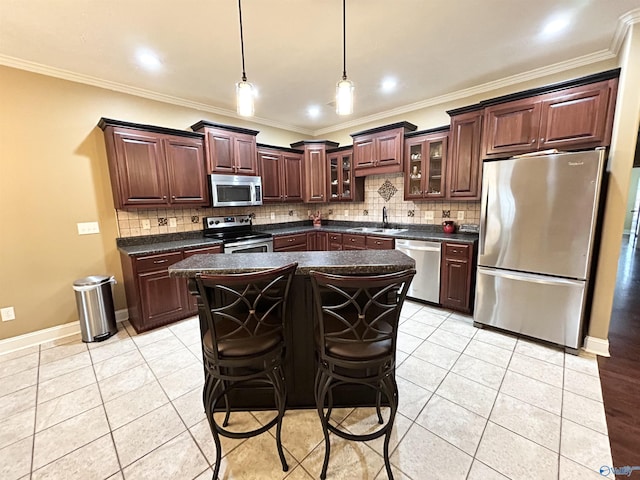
(538,218)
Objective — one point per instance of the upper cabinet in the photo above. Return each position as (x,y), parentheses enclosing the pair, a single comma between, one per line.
(464,167)
(315,188)
(569,118)
(281,171)
(380,150)
(425,165)
(154,167)
(343,186)
(230,150)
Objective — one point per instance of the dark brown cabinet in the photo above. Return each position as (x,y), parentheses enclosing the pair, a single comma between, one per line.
(296,242)
(154,167)
(379,243)
(578,117)
(380,150)
(351,241)
(153,297)
(343,185)
(230,150)
(425,166)
(464,166)
(281,172)
(334,242)
(315,183)
(456,276)
(192,300)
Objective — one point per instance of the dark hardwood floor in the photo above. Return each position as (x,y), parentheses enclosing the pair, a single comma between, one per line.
(620,374)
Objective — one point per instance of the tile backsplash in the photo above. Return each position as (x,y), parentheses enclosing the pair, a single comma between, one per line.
(130,223)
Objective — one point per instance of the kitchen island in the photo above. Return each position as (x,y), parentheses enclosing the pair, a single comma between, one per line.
(299,364)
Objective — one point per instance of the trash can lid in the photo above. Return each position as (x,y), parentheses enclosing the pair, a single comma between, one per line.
(92,280)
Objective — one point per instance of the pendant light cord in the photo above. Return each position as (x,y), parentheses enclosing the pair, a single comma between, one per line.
(344,39)
(244,75)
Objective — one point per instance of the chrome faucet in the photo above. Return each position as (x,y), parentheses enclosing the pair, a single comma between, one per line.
(385,219)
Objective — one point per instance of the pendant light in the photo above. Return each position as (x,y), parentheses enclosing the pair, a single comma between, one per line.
(345,87)
(244,90)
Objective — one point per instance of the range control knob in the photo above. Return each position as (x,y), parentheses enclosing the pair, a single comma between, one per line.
(217,222)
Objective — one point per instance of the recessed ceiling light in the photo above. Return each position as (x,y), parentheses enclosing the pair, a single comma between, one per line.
(389,84)
(555,25)
(313,111)
(148,60)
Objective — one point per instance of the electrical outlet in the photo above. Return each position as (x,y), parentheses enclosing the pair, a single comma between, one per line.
(173,222)
(346,213)
(146,224)
(461,215)
(7,314)
(87,228)
(273,215)
(428,215)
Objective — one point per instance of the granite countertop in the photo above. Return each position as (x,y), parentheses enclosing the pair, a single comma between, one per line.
(340,262)
(149,244)
(168,242)
(426,233)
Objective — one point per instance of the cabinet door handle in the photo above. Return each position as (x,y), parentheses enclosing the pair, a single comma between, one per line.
(541,140)
(164,197)
(533,140)
(160,261)
(173,197)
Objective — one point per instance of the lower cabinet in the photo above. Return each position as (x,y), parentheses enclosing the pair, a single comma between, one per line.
(153,297)
(354,241)
(456,286)
(296,242)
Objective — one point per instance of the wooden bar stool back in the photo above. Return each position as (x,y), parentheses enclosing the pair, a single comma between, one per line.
(356,330)
(244,343)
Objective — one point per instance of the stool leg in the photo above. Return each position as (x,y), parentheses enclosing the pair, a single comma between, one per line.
(324,387)
(225,422)
(210,402)
(390,388)
(378,410)
(280,396)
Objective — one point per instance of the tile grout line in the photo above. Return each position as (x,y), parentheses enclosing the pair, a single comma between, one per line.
(475,453)
(35,416)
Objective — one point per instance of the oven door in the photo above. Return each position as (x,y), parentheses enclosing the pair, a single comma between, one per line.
(250,246)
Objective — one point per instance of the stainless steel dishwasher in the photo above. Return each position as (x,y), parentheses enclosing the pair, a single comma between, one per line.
(426,283)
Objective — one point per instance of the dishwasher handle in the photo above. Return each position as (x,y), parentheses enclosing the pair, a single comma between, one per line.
(425,248)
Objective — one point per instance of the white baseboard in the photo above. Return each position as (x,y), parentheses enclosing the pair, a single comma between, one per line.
(599,346)
(48,334)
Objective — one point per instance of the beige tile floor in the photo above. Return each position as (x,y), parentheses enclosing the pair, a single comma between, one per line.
(474,404)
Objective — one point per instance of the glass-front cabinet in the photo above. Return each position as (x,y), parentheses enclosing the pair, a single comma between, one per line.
(340,176)
(425,163)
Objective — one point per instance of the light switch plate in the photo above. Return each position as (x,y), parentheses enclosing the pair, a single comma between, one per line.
(461,215)
(146,224)
(346,213)
(7,314)
(273,215)
(88,228)
(173,222)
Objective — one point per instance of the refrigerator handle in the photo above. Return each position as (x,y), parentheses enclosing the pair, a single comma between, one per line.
(484,201)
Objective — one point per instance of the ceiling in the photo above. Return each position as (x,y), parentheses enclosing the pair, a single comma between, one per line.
(293,48)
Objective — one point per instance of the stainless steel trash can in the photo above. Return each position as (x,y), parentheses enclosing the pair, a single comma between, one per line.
(95,307)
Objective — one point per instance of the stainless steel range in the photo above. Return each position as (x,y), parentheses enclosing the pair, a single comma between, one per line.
(237,234)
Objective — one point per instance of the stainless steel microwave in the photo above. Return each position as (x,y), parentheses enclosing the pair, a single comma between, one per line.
(235,191)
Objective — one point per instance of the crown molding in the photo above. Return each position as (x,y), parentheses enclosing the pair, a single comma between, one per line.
(534,74)
(624,23)
(138,92)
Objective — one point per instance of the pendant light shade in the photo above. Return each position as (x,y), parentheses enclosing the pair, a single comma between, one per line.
(244,98)
(345,88)
(244,90)
(344,97)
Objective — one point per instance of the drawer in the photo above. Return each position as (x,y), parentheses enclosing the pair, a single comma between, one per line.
(354,240)
(379,243)
(157,262)
(456,250)
(285,241)
(203,250)
(335,238)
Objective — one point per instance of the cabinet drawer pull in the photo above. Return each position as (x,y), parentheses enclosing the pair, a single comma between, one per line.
(160,261)
(291,239)
(353,239)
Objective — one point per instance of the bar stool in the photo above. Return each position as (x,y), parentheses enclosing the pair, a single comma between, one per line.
(356,330)
(244,344)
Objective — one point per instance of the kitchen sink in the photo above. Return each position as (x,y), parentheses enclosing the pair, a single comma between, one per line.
(388,231)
